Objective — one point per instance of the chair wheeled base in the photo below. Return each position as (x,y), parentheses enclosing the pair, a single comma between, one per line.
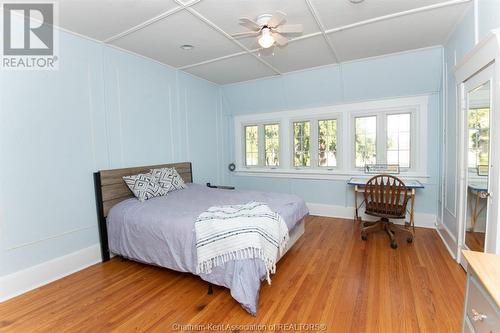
(389,227)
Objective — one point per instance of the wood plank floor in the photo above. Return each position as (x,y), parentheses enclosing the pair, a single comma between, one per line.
(475,240)
(330,278)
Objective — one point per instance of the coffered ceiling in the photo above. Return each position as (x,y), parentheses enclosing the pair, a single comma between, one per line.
(334,31)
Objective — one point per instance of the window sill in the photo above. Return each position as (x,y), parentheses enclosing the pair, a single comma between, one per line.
(311,173)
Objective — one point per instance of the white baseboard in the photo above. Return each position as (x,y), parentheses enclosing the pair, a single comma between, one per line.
(33,277)
(423,220)
(449,240)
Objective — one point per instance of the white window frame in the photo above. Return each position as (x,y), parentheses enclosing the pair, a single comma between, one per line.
(245,147)
(291,138)
(352,139)
(413,117)
(381,142)
(313,120)
(417,106)
(338,118)
(262,126)
(261,143)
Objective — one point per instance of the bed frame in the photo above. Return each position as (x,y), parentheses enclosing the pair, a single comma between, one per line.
(110,189)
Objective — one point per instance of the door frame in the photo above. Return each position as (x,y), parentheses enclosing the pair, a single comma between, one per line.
(485,75)
(484,54)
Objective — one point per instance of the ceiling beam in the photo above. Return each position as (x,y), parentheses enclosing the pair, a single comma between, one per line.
(344,27)
(187,6)
(253,51)
(322,28)
(228,36)
(232,55)
(149,22)
(398,14)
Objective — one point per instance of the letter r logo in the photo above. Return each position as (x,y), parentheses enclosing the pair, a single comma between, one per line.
(28,29)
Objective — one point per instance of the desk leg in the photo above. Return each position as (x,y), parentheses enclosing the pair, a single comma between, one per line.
(412,211)
(355,191)
(474,212)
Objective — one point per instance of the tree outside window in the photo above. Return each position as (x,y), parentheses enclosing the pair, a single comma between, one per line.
(327,143)
(366,140)
(479,137)
(301,144)
(272,144)
(252,145)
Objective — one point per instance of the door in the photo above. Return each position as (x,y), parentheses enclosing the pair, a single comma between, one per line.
(477,161)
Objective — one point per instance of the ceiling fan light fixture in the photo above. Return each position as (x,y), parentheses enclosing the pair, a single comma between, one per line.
(266,39)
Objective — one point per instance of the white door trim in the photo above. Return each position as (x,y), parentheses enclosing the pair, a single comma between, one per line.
(478,79)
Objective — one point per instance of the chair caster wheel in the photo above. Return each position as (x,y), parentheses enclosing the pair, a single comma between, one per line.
(394,245)
(364,237)
(409,239)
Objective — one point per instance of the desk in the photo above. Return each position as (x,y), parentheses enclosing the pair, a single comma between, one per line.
(358,184)
(482,293)
(480,191)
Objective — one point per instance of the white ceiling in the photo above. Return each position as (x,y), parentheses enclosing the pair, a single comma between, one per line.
(334,31)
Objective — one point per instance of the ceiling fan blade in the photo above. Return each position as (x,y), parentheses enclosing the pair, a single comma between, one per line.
(277,19)
(280,39)
(245,34)
(290,29)
(250,24)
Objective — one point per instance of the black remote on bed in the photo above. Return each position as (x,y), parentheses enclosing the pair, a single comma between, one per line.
(221,187)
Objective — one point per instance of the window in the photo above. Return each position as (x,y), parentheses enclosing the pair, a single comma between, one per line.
(262,145)
(252,145)
(272,144)
(301,144)
(398,139)
(337,141)
(479,134)
(365,141)
(327,143)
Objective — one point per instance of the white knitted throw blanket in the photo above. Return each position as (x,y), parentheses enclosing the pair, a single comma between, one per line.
(239,232)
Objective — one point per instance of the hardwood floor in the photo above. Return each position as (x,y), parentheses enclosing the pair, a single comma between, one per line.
(330,277)
(475,240)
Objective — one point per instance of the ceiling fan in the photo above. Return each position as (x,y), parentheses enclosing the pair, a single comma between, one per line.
(269,28)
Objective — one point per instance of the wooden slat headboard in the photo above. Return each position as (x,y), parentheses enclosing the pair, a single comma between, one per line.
(110,189)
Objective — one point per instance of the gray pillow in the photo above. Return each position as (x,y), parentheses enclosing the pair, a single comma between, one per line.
(144,186)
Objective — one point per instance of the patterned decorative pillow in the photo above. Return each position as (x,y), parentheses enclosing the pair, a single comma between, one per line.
(168,178)
(144,186)
(164,177)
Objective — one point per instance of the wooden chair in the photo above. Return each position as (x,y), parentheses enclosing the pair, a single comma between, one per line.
(386,197)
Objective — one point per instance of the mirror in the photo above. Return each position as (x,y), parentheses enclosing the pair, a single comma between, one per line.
(478,145)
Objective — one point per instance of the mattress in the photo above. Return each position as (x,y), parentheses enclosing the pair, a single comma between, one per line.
(160,231)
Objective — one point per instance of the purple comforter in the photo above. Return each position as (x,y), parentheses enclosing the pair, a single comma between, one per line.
(160,231)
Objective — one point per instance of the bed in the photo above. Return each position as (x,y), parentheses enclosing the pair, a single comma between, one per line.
(160,231)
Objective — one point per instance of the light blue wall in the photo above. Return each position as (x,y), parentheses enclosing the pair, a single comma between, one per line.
(407,74)
(103,108)
(489,16)
(461,41)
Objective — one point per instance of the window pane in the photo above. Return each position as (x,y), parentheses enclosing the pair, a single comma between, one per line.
(366,140)
(479,131)
(301,143)
(398,139)
(272,144)
(252,145)
(327,142)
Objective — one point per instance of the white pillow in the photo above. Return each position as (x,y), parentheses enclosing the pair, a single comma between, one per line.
(144,186)
(168,178)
